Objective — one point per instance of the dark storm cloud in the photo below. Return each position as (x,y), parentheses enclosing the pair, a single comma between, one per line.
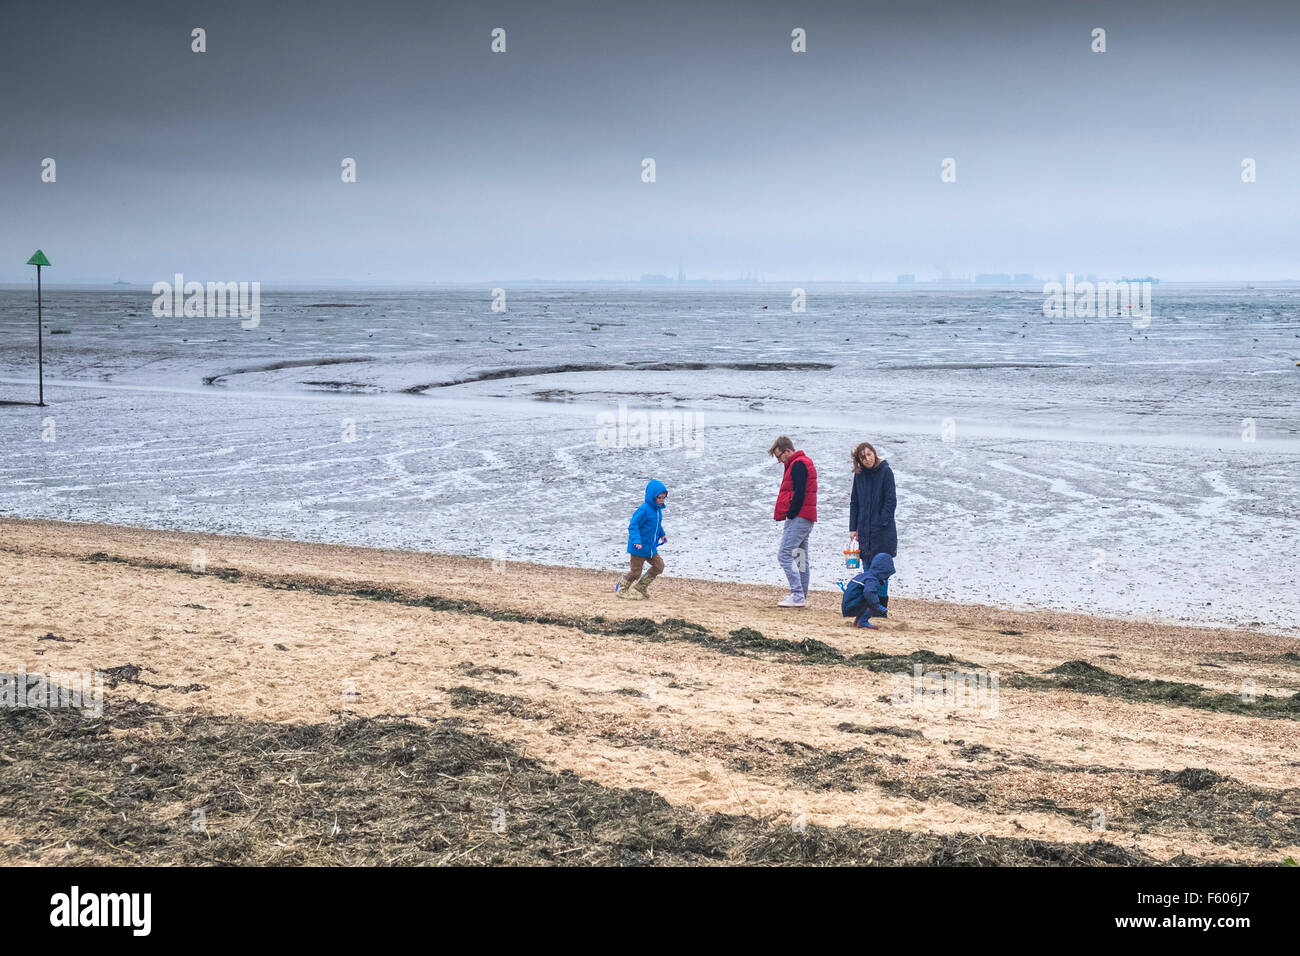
(478,166)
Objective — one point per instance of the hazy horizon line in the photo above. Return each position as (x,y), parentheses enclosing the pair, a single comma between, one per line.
(991,286)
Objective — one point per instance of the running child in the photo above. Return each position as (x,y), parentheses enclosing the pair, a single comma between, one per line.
(645,533)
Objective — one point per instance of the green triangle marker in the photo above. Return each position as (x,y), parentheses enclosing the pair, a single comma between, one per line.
(38,259)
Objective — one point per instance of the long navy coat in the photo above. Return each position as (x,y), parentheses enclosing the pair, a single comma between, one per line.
(871,512)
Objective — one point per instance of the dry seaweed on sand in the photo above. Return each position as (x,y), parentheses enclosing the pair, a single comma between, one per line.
(462,697)
(850,728)
(741,641)
(905,663)
(139,785)
(1088,678)
(809,650)
(130,674)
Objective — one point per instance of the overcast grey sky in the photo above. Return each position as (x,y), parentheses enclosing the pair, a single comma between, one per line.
(474,166)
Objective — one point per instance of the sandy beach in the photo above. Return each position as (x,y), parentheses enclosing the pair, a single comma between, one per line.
(271,701)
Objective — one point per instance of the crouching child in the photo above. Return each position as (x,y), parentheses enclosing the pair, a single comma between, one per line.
(867,595)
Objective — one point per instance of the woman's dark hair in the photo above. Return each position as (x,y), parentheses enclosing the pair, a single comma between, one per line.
(857,455)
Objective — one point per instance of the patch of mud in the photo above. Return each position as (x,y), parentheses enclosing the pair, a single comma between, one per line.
(343,386)
(528,371)
(972,366)
(276,366)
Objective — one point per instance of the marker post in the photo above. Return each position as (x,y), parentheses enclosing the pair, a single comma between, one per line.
(38,259)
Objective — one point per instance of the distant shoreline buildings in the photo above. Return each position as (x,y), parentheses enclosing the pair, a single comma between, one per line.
(1005,278)
(907,279)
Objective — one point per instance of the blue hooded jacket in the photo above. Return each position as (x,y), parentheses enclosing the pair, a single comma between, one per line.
(647,525)
(864,592)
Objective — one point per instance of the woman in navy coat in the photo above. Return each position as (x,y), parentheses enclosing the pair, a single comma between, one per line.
(871,509)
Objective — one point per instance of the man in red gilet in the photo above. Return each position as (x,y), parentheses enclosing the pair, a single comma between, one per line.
(796,505)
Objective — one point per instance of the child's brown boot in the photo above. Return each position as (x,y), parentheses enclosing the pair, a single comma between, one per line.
(642,587)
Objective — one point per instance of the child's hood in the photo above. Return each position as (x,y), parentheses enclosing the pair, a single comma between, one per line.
(653,491)
(883,565)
